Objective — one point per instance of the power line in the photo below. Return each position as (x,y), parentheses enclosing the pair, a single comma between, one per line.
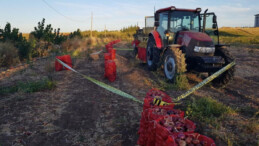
(60,13)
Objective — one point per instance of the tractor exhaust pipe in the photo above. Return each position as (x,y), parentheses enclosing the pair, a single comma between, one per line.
(204,20)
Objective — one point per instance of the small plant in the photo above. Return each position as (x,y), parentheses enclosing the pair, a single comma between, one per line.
(181,82)
(207,109)
(12,35)
(8,55)
(9,34)
(75,34)
(25,50)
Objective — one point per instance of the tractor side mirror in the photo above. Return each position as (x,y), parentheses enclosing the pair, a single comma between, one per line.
(214,19)
(214,26)
(156,16)
(156,23)
(156,19)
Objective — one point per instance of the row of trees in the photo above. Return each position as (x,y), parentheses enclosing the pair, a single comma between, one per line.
(130,29)
(46,33)
(43,39)
(39,41)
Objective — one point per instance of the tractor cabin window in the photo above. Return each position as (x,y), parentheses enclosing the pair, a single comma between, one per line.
(163,24)
(163,20)
(184,20)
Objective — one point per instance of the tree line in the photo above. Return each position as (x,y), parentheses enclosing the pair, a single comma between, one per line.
(27,49)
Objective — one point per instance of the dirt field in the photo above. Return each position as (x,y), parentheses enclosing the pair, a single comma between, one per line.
(77,112)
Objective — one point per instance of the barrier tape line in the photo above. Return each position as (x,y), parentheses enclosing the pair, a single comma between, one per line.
(103,85)
(204,82)
(96,52)
(156,101)
(159,102)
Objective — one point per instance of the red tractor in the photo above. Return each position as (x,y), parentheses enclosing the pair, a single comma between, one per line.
(184,40)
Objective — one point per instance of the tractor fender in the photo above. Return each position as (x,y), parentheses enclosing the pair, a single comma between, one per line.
(157,38)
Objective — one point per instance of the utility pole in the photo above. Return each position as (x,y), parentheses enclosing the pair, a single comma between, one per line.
(105,31)
(91,25)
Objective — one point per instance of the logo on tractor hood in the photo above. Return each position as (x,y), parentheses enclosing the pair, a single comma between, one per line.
(186,40)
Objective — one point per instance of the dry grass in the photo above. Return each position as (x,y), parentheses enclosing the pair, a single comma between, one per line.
(75,43)
(237,35)
(83,47)
(8,55)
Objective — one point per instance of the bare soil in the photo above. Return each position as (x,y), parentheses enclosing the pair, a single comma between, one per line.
(78,112)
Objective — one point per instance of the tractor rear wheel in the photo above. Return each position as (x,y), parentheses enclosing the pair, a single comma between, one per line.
(226,77)
(174,63)
(153,54)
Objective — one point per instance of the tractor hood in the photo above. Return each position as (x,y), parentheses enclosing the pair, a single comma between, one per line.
(190,40)
(187,36)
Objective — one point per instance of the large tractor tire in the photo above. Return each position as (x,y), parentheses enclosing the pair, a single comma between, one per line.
(174,63)
(153,54)
(226,77)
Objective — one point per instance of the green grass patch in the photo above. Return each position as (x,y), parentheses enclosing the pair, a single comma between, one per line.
(180,82)
(29,87)
(207,110)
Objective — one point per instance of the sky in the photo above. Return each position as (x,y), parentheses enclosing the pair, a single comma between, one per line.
(68,15)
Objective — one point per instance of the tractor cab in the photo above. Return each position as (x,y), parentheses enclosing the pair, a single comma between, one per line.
(173,22)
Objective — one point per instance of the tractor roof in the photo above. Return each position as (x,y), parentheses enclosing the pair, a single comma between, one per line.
(176,9)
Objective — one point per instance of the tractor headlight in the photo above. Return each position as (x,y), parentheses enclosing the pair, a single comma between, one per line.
(204,49)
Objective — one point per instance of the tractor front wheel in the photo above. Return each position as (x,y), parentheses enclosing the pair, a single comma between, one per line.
(174,63)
